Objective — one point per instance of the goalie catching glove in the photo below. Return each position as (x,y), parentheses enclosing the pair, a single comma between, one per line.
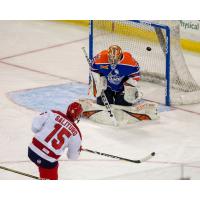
(97,84)
(131,92)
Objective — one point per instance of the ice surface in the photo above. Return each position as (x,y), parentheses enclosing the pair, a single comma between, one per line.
(56,97)
(55,59)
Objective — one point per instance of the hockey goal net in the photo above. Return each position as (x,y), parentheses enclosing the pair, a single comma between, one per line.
(157,49)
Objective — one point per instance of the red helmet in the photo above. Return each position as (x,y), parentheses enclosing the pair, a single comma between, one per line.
(74,111)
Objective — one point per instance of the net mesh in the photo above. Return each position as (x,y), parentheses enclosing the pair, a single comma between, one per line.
(147,45)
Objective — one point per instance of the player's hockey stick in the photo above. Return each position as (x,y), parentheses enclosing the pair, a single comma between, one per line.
(103,96)
(120,158)
(18,172)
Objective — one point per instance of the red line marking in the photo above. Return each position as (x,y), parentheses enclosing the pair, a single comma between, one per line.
(65,78)
(190,111)
(62,160)
(45,73)
(45,48)
(105,160)
(174,107)
(37,71)
(174,163)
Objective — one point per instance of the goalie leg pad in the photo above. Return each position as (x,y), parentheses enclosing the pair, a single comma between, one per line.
(123,114)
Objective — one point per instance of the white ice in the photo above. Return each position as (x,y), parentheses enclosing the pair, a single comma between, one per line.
(40,53)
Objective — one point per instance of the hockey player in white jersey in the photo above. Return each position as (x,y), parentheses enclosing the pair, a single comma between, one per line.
(54,132)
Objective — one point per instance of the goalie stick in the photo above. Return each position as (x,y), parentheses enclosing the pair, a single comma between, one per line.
(121,158)
(103,96)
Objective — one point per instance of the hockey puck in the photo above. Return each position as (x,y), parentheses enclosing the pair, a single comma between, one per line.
(153,153)
(148,48)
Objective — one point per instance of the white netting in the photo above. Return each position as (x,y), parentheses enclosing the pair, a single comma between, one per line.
(135,38)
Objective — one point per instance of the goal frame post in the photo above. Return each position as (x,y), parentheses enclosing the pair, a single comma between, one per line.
(167,50)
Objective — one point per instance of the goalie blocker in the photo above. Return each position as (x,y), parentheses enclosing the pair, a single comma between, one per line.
(131,92)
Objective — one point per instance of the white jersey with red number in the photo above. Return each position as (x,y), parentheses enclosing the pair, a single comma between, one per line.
(54,132)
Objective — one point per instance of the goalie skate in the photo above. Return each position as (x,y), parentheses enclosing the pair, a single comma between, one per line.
(123,114)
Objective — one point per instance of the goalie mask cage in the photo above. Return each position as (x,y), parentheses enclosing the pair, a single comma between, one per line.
(157,49)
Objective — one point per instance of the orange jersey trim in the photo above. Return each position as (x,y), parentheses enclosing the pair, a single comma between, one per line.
(127,59)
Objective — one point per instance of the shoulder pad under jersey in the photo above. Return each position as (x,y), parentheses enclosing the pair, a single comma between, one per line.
(102,57)
(128,59)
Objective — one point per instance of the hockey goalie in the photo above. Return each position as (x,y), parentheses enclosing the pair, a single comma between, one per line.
(114,75)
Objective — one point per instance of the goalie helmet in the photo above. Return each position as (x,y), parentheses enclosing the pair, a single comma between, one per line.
(114,54)
(74,111)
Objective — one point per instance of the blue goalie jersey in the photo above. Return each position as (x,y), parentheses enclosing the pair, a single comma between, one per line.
(116,75)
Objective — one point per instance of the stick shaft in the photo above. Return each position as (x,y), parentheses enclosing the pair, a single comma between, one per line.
(121,158)
(18,172)
(103,96)
(86,56)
